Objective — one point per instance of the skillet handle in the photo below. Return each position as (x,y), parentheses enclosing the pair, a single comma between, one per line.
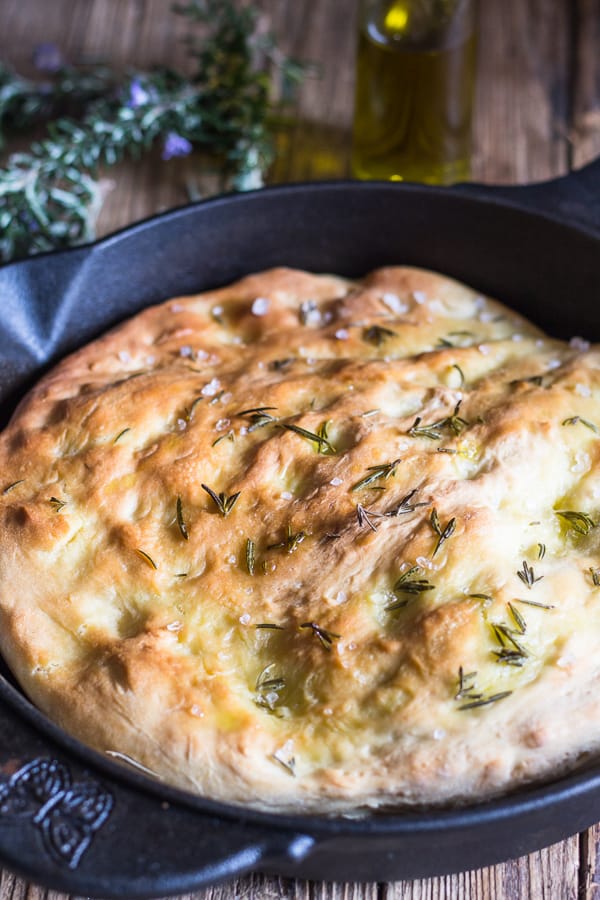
(573,199)
(75,829)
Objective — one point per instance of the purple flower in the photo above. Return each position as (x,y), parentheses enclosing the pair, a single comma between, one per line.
(48,58)
(138,95)
(175,145)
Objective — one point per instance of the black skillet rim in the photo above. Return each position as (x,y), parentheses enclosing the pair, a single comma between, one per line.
(524,799)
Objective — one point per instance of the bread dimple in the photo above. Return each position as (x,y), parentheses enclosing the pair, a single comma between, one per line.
(301,543)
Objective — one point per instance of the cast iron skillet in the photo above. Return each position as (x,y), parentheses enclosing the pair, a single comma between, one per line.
(79,822)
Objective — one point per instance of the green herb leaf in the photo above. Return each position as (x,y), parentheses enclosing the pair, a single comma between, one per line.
(574,420)
(180,522)
(325,637)
(147,559)
(384,471)
(57,504)
(376,334)
(443,533)
(12,486)
(578,521)
(223,503)
(527,575)
(322,443)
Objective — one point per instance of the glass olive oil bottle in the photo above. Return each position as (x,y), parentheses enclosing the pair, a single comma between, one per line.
(414,90)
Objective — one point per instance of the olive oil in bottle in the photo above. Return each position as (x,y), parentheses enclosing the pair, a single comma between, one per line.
(414,90)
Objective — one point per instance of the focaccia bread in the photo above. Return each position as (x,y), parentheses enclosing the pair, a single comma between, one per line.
(312,544)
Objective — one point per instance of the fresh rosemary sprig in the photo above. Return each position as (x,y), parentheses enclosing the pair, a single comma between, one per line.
(55,502)
(454,423)
(595,576)
(365,516)
(50,195)
(527,575)
(468,691)
(377,334)
(223,503)
(384,471)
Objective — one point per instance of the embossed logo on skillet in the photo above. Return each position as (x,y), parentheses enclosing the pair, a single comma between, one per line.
(67,814)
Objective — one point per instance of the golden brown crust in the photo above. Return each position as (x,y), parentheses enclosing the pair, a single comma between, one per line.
(130,604)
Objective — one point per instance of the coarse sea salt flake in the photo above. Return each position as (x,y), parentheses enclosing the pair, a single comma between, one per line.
(176,307)
(583,390)
(286,495)
(335,481)
(210,389)
(420,296)
(578,343)
(438,734)
(222,424)
(186,351)
(260,306)
(342,334)
(394,303)
(124,356)
(245,619)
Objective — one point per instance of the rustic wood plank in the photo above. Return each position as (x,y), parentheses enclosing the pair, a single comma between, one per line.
(522,104)
(585,133)
(550,874)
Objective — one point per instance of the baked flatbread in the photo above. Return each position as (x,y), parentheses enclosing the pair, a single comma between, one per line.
(312,544)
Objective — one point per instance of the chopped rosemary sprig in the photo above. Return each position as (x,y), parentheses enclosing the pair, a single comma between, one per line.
(250,556)
(534,603)
(288,764)
(426,431)
(268,688)
(578,521)
(325,637)
(527,575)
(385,471)
(407,584)
(460,372)
(377,334)
(323,445)
(14,484)
(280,365)
(364,517)
(190,412)
(506,638)
(485,701)
(258,417)
(228,436)
(443,533)
(518,618)
(270,625)
(180,521)
(595,575)
(466,685)
(291,542)
(468,691)
(369,412)
(146,557)
(406,505)
(455,423)
(223,503)
(57,504)
(573,420)
(120,435)
(541,551)
(308,312)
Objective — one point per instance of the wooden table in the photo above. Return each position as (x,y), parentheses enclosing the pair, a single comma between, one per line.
(537,116)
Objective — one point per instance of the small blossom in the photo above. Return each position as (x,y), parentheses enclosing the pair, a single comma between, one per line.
(175,145)
(48,58)
(138,95)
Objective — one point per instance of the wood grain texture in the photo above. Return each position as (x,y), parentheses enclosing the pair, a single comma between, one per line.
(537,112)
